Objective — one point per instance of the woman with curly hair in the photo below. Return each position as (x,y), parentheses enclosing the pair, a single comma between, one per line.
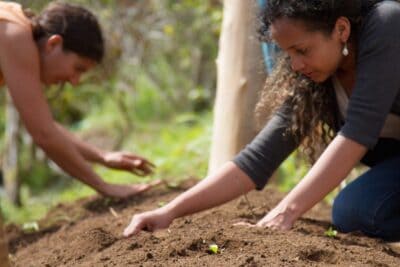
(336,84)
(58,46)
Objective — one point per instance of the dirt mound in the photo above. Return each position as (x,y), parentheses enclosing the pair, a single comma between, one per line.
(88,233)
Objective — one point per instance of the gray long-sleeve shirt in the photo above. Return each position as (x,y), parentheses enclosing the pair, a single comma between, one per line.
(375,95)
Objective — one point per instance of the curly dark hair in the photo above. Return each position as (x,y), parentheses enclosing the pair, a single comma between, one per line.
(313,118)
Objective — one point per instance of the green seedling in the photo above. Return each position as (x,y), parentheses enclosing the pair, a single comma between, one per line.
(161,204)
(213,248)
(172,185)
(331,232)
(30,227)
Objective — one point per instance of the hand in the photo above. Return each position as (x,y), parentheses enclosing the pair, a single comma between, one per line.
(149,221)
(124,191)
(129,162)
(278,219)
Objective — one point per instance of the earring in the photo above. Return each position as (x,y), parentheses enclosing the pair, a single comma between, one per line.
(345,50)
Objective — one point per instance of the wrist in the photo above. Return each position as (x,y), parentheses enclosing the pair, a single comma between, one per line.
(101,187)
(172,210)
(291,211)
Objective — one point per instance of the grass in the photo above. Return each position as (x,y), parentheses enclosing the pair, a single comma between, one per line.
(179,147)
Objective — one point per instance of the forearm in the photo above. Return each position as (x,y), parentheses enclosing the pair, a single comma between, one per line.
(65,155)
(226,184)
(331,168)
(89,152)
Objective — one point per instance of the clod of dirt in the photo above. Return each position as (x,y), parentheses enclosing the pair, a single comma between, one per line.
(95,239)
(318,255)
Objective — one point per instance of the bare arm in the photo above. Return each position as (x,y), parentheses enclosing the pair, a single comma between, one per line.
(116,160)
(226,184)
(19,62)
(331,168)
(89,152)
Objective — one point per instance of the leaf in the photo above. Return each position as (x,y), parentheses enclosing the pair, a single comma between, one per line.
(331,232)
(30,227)
(213,248)
(161,204)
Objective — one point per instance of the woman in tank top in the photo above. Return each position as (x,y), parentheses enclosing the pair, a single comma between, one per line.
(58,46)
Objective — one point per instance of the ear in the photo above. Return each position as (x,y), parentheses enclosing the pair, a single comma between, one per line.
(342,30)
(53,42)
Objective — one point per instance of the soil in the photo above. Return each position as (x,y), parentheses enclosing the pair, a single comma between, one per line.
(88,233)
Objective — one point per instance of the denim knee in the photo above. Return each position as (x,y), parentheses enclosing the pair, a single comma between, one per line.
(351,213)
(342,215)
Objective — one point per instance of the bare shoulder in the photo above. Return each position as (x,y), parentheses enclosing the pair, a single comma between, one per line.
(19,57)
(16,38)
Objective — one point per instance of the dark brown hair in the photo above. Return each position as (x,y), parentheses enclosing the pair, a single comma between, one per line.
(78,27)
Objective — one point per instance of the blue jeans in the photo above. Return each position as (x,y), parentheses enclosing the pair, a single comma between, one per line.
(371,203)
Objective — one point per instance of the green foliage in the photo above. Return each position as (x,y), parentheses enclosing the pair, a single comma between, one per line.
(179,148)
(152,95)
(32,209)
(291,172)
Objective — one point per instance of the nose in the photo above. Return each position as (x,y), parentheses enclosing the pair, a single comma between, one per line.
(297,63)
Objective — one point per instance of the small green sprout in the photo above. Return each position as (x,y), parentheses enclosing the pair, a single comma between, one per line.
(161,204)
(213,248)
(30,227)
(331,232)
(172,185)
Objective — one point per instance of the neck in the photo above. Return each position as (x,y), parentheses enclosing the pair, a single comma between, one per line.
(346,73)
(348,63)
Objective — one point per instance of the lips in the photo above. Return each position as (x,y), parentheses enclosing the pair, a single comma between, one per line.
(309,74)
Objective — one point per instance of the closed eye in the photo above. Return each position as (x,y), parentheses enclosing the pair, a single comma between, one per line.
(80,69)
(302,51)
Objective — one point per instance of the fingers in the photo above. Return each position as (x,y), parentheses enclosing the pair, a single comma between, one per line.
(149,163)
(140,159)
(127,161)
(146,187)
(263,224)
(138,172)
(246,224)
(157,182)
(142,167)
(140,188)
(135,226)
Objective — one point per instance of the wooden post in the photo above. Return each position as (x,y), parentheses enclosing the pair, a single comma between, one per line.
(240,76)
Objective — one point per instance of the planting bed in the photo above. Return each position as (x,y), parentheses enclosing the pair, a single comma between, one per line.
(88,233)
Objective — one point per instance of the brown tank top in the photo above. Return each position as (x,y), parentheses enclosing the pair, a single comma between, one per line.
(12,12)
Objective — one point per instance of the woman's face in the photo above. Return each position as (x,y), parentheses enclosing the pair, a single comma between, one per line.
(60,66)
(312,53)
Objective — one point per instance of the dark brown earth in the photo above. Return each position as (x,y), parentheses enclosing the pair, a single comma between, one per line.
(87,233)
